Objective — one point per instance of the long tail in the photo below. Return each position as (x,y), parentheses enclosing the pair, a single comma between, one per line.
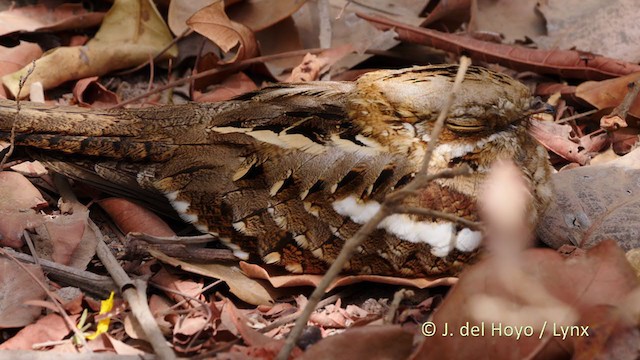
(116,134)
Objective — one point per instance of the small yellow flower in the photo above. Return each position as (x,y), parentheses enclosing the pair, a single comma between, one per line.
(103,325)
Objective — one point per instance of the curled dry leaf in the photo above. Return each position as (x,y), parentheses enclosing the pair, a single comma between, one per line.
(18,287)
(18,199)
(557,138)
(213,23)
(90,93)
(277,281)
(594,203)
(131,32)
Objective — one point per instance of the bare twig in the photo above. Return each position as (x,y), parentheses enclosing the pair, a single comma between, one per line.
(395,303)
(67,275)
(184,34)
(12,138)
(387,208)
(439,214)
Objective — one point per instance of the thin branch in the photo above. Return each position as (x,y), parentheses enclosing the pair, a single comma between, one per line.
(385,210)
(395,304)
(12,138)
(87,281)
(133,291)
(231,67)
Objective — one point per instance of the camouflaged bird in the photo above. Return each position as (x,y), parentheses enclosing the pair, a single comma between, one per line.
(289,172)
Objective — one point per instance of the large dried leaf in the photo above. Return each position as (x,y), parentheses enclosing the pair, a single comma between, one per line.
(479,317)
(131,33)
(594,203)
(606,28)
(17,288)
(213,23)
(248,290)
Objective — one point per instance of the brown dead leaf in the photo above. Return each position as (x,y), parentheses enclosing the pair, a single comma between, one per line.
(180,11)
(213,23)
(131,33)
(515,20)
(594,203)
(234,85)
(248,290)
(260,14)
(612,335)
(66,233)
(188,287)
(90,93)
(605,28)
(609,93)
(479,317)
(557,138)
(17,288)
(131,217)
(18,199)
(51,327)
(41,18)
(257,272)
(368,342)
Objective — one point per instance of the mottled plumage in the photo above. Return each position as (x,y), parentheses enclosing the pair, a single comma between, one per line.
(289,172)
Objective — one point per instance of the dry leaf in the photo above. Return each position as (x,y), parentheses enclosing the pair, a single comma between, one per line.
(606,28)
(554,292)
(40,18)
(90,93)
(18,199)
(131,33)
(131,217)
(51,327)
(609,93)
(17,288)
(594,203)
(214,24)
(248,290)
(257,272)
(368,342)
